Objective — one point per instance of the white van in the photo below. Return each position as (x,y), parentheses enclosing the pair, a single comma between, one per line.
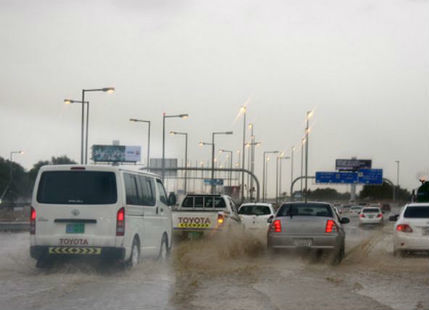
(99,211)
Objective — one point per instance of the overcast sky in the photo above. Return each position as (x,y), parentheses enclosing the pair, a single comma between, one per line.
(362,65)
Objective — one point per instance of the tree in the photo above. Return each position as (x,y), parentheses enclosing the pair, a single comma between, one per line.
(384,192)
(61,160)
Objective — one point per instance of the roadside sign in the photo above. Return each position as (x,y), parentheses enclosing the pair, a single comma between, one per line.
(115,153)
(156,166)
(371,176)
(337,177)
(213,182)
(352,164)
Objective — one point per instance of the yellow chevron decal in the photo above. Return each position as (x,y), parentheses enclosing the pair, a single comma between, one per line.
(74,251)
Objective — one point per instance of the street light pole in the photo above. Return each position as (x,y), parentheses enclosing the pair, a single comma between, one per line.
(280,158)
(264,173)
(397,181)
(11,166)
(244,109)
(302,163)
(148,138)
(291,167)
(230,164)
(70,101)
(105,89)
(186,155)
(309,113)
(213,155)
(164,116)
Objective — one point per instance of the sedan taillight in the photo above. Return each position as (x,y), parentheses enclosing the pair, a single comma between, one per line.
(404,228)
(32,221)
(277,226)
(330,226)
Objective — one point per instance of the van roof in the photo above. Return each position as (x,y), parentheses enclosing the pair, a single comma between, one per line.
(96,168)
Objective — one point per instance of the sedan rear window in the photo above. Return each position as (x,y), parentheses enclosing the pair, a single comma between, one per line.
(254,210)
(305,209)
(417,212)
(371,210)
(77,187)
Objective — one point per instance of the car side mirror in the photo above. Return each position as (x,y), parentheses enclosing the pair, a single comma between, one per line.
(270,219)
(344,220)
(393,218)
(172,199)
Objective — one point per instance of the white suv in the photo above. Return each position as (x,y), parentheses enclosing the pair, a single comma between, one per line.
(412,228)
(102,211)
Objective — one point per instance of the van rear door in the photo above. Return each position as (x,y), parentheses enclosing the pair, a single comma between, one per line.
(76,208)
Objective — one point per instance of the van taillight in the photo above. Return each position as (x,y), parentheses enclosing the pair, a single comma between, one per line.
(120,222)
(330,226)
(277,226)
(220,219)
(32,221)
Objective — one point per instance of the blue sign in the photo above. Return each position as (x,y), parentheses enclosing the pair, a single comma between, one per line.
(370,176)
(337,177)
(213,182)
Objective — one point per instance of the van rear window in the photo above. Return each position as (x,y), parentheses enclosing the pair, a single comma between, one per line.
(77,187)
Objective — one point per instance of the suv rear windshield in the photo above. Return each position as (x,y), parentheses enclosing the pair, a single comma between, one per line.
(254,210)
(305,209)
(77,187)
(417,212)
(371,210)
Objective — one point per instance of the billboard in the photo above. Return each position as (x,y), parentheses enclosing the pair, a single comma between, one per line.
(116,153)
(156,166)
(352,164)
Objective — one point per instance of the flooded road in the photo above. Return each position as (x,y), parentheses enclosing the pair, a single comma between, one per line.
(224,273)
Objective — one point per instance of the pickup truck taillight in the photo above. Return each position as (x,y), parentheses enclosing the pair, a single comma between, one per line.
(220,219)
(32,221)
(362,215)
(120,222)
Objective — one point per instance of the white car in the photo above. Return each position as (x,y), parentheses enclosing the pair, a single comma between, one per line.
(411,231)
(98,211)
(254,216)
(355,210)
(370,215)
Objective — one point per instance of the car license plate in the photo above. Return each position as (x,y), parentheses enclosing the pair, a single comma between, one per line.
(306,243)
(425,231)
(75,228)
(371,216)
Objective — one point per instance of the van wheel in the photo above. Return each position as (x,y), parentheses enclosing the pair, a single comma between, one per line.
(164,251)
(135,254)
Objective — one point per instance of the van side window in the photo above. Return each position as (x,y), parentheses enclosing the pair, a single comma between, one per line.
(162,193)
(147,192)
(131,189)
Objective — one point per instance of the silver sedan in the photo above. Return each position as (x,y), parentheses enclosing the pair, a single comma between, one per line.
(312,225)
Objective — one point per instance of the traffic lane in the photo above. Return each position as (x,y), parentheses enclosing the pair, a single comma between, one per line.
(78,285)
(239,270)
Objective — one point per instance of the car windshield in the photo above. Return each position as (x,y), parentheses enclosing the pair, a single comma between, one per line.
(371,210)
(77,187)
(305,209)
(254,210)
(416,212)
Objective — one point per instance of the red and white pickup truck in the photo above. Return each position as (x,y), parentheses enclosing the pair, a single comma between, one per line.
(205,213)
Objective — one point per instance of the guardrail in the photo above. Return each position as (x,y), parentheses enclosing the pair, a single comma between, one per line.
(14,226)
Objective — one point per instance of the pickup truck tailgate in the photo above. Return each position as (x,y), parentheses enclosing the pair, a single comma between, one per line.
(194,220)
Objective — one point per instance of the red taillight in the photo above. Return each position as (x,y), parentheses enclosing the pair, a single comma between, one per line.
(77,168)
(362,215)
(220,219)
(330,226)
(32,221)
(277,226)
(380,215)
(404,228)
(120,222)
